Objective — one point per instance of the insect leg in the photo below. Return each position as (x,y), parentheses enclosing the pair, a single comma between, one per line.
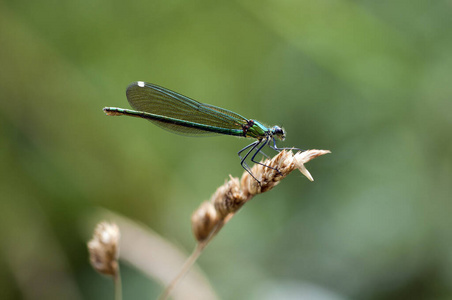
(257,162)
(243,163)
(274,147)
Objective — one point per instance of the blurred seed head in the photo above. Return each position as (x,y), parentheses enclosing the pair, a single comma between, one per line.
(104,248)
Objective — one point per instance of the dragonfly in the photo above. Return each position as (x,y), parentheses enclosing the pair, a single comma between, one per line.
(182,115)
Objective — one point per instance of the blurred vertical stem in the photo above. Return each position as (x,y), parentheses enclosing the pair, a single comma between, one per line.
(118,285)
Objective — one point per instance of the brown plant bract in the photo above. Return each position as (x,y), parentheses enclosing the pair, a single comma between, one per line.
(204,219)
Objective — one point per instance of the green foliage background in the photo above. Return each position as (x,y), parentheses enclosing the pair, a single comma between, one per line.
(369,80)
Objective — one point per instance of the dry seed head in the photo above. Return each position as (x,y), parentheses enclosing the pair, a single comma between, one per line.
(285,162)
(203,220)
(104,248)
(232,195)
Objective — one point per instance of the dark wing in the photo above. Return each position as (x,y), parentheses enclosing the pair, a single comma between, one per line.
(157,100)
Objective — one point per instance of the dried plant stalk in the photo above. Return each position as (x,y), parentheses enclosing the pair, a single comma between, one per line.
(212,215)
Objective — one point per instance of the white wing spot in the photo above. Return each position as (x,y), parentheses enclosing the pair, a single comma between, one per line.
(141,83)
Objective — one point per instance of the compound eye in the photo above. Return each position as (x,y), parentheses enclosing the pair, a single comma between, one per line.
(279,132)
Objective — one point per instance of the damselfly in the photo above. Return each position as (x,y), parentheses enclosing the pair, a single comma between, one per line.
(180,114)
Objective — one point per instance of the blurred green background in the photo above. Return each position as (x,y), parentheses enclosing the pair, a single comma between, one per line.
(368,80)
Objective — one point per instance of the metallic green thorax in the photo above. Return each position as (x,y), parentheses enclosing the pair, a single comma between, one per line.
(256,130)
